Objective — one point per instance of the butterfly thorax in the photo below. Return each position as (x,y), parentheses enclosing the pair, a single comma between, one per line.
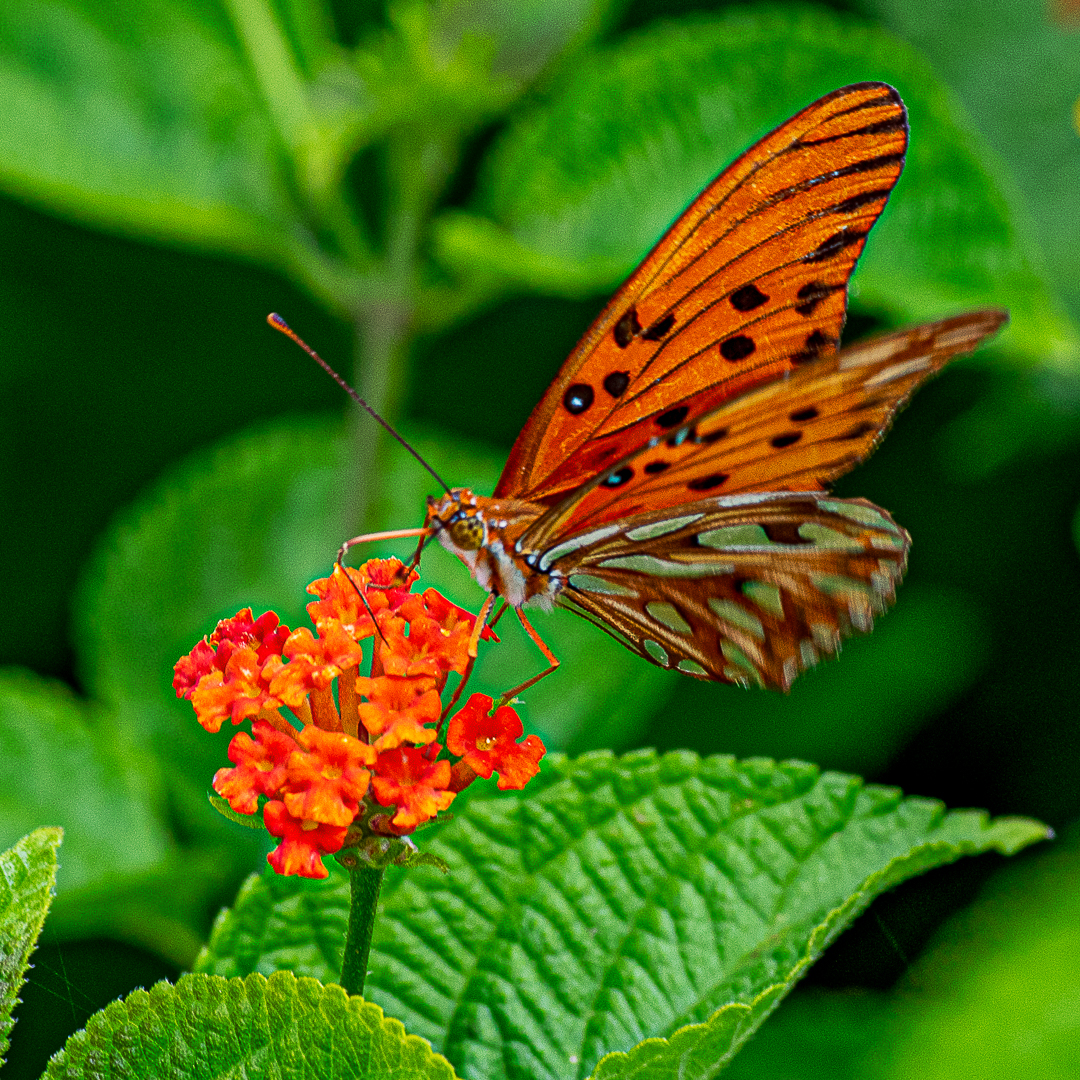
(484,533)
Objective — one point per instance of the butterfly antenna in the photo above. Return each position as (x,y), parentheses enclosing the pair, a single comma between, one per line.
(279,324)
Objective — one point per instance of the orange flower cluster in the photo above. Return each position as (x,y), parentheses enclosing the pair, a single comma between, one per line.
(364,761)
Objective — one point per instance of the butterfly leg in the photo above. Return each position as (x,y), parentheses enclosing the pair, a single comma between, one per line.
(549,656)
(474,649)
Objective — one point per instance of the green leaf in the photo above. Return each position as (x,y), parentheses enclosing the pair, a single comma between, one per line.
(659,891)
(121,875)
(27,875)
(282,924)
(61,763)
(592,175)
(526,34)
(997,992)
(210,1027)
(1028,118)
(141,120)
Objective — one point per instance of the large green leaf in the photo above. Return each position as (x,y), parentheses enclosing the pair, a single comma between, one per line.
(285,1027)
(583,183)
(141,119)
(617,900)
(994,994)
(27,875)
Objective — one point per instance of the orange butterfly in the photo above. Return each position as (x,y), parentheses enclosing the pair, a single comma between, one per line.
(671,484)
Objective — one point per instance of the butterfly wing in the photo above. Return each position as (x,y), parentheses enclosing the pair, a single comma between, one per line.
(750,282)
(744,589)
(796,434)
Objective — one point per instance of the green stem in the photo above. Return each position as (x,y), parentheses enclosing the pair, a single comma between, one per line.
(366,881)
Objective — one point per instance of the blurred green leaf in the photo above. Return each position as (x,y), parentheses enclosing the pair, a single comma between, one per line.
(1016,68)
(282,924)
(526,34)
(854,712)
(120,875)
(283,1027)
(139,119)
(63,765)
(592,175)
(816,1035)
(998,994)
(27,876)
(657,889)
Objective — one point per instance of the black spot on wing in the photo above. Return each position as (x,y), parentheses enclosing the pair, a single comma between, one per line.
(836,243)
(711,436)
(789,438)
(659,328)
(617,479)
(858,431)
(816,342)
(627,328)
(737,348)
(800,416)
(655,467)
(616,382)
(578,398)
(673,417)
(747,298)
(811,294)
(707,483)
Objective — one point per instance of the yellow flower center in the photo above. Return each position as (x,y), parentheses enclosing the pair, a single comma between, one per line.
(486,743)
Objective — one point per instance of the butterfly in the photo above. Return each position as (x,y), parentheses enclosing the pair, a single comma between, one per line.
(671,484)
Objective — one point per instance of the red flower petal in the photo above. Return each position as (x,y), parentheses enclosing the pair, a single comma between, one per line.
(303,843)
(488,743)
(327,779)
(418,787)
(260,766)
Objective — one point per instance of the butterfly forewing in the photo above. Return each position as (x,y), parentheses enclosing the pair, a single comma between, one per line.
(798,433)
(744,590)
(749,283)
(670,485)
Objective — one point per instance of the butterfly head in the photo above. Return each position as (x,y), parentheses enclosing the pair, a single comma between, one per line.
(457,521)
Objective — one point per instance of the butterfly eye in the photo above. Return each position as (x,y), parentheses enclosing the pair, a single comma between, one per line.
(467,533)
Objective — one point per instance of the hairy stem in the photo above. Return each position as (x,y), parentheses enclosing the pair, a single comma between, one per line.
(365,881)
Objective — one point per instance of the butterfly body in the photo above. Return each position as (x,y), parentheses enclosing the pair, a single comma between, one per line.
(672,484)
(485,534)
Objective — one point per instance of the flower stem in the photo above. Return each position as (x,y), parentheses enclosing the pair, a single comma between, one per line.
(365,881)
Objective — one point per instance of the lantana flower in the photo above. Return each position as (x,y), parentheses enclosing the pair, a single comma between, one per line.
(335,757)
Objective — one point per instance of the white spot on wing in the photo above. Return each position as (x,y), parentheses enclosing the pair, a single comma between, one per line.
(576,542)
(662,528)
(898,371)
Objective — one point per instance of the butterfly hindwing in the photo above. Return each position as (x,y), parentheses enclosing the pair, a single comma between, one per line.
(750,282)
(751,589)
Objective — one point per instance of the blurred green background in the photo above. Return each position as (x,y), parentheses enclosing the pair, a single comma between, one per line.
(440,196)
